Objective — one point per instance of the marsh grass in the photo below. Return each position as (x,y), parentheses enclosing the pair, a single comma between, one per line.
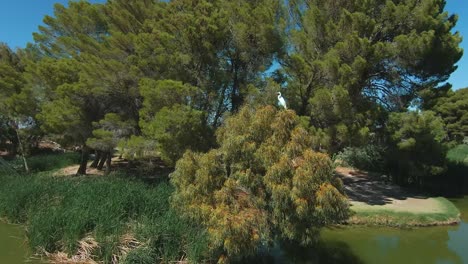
(59,212)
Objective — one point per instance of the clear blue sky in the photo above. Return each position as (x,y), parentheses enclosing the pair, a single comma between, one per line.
(19,18)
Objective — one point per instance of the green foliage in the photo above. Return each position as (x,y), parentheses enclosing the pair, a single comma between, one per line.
(453,109)
(458,154)
(62,117)
(351,60)
(263,182)
(68,209)
(457,170)
(137,147)
(177,129)
(7,132)
(164,93)
(369,157)
(17,103)
(333,111)
(343,65)
(109,131)
(14,101)
(417,151)
(170,118)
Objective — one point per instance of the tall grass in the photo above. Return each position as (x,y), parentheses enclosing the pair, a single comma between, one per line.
(60,211)
(47,162)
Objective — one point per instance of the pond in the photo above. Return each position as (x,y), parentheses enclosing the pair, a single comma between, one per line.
(13,247)
(366,245)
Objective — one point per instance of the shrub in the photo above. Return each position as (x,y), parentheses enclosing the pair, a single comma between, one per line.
(458,154)
(262,183)
(416,152)
(177,129)
(370,157)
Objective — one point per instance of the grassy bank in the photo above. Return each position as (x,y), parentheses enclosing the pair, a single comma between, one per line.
(110,218)
(379,215)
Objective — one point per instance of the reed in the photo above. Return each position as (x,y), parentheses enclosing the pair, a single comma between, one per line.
(61,213)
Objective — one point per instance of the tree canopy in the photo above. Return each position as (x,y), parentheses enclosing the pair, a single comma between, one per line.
(349,59)
(453,109)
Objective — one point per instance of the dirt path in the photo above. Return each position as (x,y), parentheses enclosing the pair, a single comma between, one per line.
(369,192)
(71,170)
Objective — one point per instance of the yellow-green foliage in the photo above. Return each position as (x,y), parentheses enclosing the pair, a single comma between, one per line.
(263,182)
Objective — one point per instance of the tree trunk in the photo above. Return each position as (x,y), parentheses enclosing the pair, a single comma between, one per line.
(236,97)
(14,143)
(26,167)
(96,159)
(84,161)
(108,163)
(102,161)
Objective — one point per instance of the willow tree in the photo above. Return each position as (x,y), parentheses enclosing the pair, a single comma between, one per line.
(264,182)
(351,60)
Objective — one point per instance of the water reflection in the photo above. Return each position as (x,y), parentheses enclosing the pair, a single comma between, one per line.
(367,245)
(332,252)
(458,241)
(383,245)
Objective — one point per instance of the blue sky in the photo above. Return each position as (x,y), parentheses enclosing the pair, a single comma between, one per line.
(20,18)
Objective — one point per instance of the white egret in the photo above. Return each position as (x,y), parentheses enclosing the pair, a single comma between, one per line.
(281,100)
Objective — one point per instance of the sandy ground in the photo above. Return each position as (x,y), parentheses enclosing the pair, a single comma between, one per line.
(375,192)
(71,170)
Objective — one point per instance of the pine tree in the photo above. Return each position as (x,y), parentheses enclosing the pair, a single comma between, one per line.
(350,60)
(453,109)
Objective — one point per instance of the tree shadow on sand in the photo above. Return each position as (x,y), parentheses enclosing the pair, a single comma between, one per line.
(374,189)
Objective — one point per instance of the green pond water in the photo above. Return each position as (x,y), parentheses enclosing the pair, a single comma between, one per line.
(439,245)
(13,248)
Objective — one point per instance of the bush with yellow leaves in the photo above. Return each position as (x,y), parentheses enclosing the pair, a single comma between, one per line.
(263,183)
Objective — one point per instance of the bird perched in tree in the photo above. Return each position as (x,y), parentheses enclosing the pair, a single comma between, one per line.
(281,100)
